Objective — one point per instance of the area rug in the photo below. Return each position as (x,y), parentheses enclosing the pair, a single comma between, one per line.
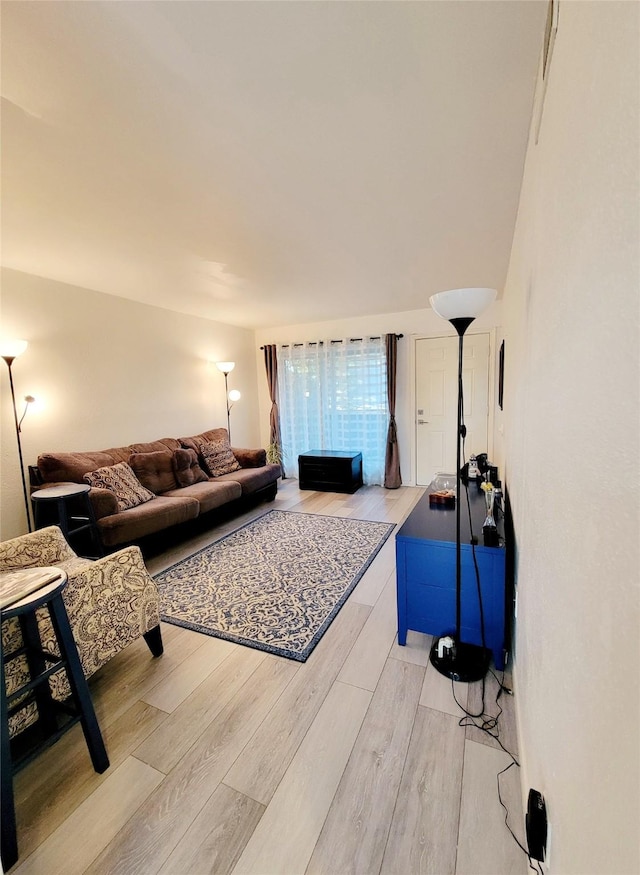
(274,584)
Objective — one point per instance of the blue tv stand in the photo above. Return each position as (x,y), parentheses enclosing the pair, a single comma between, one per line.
(426,575)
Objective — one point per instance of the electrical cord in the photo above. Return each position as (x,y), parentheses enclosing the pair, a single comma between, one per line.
(491,726)
(537,868)
(489,723)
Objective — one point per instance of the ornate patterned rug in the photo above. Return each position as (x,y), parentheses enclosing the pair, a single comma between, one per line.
(274,584)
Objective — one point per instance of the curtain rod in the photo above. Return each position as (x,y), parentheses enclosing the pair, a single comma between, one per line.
(321,342)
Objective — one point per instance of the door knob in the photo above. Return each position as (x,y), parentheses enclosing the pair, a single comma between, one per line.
(423,422)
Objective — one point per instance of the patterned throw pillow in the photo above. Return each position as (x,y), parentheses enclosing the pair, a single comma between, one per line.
(218,458)
(124,484)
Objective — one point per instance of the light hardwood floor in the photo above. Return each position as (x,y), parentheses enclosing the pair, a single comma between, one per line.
(228,760)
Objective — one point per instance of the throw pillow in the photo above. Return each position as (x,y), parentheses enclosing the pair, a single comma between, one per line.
(154,470)
(218,458)
(124,484)
(186,468)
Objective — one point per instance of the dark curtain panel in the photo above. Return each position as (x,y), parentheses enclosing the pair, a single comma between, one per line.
(271,366)
(392,476)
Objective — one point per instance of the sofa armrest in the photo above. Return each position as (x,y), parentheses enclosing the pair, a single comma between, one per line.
(250,458)
(103,501)
(43,547)
(110,602)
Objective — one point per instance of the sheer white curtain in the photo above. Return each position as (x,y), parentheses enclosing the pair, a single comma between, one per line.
(333,397)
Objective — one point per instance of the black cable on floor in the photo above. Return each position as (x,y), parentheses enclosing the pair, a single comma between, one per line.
(490,724)
(537,869)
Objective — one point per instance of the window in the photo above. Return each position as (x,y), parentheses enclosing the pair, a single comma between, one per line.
(333,396)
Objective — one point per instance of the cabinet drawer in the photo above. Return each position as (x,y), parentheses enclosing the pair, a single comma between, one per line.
(431,565)
(431,609)
(439,606)
(435,565)
(320,468)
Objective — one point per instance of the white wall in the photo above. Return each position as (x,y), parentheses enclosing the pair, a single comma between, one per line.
(412,324)
(571,443)
(109,372)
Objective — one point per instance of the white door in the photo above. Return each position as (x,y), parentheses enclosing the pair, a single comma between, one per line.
(437,402)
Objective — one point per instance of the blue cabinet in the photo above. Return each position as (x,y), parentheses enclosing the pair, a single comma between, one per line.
(426,576)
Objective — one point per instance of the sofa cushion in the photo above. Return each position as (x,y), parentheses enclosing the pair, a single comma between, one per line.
(197,440)
(250,458)
(210,493)
(146,519)
(120,480)
(71,467)
(186,469)
(218,458)
(160,446)
(119,454)
(154,470)
(252,479)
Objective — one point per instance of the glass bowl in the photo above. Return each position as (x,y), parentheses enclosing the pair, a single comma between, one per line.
(441,482)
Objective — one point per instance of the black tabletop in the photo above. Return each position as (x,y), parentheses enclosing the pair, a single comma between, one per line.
(439,524)
(330,454)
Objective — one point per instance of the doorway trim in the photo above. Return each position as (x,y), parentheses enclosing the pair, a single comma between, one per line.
(411,418)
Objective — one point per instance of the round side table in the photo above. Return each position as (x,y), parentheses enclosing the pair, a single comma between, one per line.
(59,506)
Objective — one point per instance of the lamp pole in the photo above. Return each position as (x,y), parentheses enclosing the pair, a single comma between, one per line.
(9,359)
(226,398)
(451,656)
(461,326)
(226,368)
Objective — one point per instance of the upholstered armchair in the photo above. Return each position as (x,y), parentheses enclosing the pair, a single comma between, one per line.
(110,602)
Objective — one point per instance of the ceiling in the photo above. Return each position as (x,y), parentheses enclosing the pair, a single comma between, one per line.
(266,163)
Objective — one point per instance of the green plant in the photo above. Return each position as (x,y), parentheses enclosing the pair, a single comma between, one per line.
(274,454)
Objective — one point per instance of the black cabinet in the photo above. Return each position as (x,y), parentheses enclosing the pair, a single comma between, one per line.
(330,471)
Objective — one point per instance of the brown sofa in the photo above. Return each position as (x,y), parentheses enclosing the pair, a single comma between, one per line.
(161,466)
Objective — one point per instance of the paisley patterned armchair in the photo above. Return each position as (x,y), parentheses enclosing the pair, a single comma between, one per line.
(110,602)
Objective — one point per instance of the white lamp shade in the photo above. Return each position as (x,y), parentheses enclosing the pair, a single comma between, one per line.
(12,348)
(462,303)
(225,367)
(234,395)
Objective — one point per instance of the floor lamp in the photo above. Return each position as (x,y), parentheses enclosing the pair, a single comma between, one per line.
(10,350)
(226,368)
(450,655)
(232,396)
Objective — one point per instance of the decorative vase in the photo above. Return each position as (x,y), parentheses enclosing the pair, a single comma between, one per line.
(489,497)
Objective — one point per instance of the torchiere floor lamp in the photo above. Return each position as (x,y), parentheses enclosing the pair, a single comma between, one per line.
(226,368)
(450,655)
(233,396)
(10,350)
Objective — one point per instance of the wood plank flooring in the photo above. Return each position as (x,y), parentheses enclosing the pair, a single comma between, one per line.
(231,761)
